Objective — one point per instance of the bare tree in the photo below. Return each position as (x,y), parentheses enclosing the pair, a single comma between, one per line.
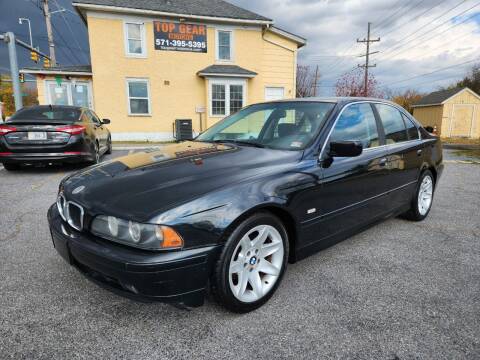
(307,81)
(352,84)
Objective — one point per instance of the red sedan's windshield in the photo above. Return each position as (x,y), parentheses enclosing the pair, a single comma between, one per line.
(282,125)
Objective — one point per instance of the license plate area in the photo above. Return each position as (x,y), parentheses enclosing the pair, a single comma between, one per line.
(37,135)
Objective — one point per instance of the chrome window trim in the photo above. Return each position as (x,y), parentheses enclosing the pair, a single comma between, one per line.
(338,117)
(364,102)
(69,219)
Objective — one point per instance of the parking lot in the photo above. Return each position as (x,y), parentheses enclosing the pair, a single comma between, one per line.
(399,290)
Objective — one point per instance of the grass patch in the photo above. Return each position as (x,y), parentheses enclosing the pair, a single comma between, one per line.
(462,141)
(467,153)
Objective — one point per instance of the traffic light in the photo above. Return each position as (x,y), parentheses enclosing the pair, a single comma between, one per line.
(22,78)
(34,56)
(46,63)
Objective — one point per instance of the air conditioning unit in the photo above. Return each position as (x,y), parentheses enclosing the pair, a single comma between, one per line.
(183,129)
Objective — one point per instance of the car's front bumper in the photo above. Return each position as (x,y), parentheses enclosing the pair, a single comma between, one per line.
(178,276)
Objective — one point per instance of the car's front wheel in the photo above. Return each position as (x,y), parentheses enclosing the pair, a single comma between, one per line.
(252,263)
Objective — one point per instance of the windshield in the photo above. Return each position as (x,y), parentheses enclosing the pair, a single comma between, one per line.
(47,113)
(282,125)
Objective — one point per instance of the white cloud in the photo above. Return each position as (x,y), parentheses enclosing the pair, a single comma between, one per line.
(332,27)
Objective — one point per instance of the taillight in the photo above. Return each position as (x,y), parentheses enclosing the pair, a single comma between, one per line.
(72,129)
(5,129)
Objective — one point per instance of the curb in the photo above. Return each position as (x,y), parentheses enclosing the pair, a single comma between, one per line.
(135,147)
(469,162)
(461,146)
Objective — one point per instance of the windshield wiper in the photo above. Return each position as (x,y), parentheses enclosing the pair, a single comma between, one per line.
(248,143)
(240,142)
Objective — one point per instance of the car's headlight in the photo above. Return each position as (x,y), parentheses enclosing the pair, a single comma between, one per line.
(145,236)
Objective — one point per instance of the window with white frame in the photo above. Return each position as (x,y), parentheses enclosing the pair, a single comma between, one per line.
(135,39)
(224,45)
(226,97)
(138,97)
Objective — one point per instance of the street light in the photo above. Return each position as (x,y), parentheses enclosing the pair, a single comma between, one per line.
(20,21)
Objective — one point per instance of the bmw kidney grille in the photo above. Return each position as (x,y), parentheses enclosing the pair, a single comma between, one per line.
(70,212)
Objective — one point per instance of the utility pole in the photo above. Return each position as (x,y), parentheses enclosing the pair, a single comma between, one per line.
(315,81)
(9,38)
(51,45)
(367,56)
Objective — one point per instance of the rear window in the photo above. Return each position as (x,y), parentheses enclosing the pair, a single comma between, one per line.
(47,114)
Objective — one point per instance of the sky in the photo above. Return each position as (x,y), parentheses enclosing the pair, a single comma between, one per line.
(418,37)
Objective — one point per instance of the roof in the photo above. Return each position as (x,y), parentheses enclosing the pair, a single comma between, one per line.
(438,97)
(85,70)
(301,41)
(187,8)
(226,71)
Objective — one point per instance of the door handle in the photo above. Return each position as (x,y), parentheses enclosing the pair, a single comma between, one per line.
(419,152)
(383,162)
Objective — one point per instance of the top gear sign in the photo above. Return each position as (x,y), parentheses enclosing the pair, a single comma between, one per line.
(172,36)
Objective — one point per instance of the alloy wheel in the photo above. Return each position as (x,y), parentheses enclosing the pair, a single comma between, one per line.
(256,263)
(425,195)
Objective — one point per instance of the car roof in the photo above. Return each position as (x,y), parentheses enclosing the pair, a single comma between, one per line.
(335,99)
(54,107)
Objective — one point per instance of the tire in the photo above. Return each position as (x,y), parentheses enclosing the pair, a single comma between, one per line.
(109,146)
(96,155)
(258,275)
(420,206)
(11,167)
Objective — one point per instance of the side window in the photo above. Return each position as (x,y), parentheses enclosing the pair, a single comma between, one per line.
(357,122)
(95,118)
(135,39)
(393,124)
(91,118)
(412,130)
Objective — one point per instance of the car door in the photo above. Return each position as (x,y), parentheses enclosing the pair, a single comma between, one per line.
(405,153)
(352,190)
(100,130)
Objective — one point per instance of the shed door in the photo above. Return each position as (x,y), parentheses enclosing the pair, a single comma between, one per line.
(462,120)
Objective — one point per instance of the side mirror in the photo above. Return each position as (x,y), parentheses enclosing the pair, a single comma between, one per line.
(105,121)
(345,149)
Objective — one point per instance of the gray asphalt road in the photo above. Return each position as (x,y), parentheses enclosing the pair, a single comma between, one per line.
(400,290)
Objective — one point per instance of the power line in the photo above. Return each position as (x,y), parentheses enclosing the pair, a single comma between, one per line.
(403,6)
(433,72)
(397,46)
(71,31)
(431,37)
(415,18)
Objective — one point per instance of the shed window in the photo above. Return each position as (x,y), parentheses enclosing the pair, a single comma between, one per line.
(135,39)
(138,97)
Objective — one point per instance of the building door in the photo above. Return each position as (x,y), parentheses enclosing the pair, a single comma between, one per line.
(274,93)
(58,94)
(81,95)
(462,120)
(73,93)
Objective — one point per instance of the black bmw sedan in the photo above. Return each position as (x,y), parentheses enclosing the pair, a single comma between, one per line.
(269,185)
(53,134)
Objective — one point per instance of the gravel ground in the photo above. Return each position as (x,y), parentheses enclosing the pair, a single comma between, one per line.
(400,290)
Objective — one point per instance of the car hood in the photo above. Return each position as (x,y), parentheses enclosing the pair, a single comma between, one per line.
(142,185)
